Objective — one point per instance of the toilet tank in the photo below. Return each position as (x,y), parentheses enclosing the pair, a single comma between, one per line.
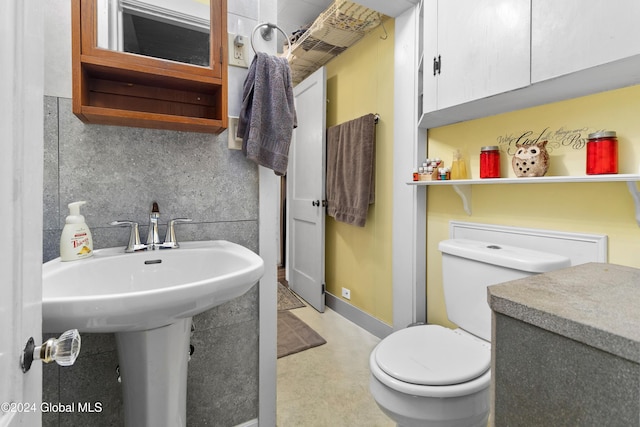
(469,266)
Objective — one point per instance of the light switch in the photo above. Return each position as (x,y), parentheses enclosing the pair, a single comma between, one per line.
(235,143)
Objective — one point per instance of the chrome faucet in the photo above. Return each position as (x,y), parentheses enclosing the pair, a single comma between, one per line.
(153,239)
(134,244)
(170,241)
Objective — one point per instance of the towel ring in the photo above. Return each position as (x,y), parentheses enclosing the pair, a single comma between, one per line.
(267,35)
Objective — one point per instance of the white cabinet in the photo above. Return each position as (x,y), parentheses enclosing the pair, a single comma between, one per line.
(573,35)
(498,56)
(474,49)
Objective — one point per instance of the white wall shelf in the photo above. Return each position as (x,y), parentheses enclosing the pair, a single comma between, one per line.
(463,186)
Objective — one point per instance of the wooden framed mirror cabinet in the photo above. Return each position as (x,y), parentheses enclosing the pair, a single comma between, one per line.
(123,83)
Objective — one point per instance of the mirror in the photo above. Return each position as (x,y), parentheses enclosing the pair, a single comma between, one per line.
(176,30)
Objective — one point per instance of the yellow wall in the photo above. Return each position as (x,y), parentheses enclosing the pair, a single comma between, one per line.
(360,81)
(601,208)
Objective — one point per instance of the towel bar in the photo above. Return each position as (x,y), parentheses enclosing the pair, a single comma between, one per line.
(266,34)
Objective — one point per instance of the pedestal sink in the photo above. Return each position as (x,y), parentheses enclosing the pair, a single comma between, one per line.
(147,299)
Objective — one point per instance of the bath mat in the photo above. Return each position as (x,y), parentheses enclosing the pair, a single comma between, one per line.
(294,335)
(287,299)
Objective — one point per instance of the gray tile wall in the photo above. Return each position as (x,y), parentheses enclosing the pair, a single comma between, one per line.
(120,171)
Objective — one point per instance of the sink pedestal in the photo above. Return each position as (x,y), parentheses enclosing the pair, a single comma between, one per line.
(153,367)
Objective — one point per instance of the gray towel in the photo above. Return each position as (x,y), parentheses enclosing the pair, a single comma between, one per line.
(351,170)
(267,115)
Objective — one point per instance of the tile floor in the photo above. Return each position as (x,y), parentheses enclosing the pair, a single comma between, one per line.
(328,386)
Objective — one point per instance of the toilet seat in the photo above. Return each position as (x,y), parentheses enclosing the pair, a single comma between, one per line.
(433,355)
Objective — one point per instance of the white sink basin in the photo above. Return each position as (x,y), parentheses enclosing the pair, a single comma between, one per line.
(147,299)
(113,291)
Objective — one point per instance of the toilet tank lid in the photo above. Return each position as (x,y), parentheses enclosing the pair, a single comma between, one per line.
(504,255)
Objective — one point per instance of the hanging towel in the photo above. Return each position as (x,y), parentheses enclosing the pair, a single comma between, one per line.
(351,170)
(267,115)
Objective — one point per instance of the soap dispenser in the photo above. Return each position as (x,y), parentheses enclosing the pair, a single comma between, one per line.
(76,241)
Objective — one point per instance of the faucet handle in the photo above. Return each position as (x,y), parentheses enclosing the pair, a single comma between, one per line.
(134,244)
(170,241)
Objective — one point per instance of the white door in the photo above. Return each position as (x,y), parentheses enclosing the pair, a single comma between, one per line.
(21,135)
(306,191)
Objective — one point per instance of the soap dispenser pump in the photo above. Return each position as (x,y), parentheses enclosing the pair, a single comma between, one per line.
(76,241)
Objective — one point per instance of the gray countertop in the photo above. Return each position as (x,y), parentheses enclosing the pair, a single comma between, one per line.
(596,304)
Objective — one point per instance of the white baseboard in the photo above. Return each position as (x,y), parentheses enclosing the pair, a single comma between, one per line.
(357,316)
(250,423)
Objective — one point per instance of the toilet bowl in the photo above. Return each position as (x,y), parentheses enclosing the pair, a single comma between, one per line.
(432,376)
(448,385)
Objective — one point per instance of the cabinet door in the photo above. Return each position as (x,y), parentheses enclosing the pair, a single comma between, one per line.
(573,35)
(430,54)
(484,48)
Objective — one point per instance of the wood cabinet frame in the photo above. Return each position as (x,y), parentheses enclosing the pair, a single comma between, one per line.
(124,89)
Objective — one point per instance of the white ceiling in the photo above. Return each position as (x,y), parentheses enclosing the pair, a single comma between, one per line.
(293,14)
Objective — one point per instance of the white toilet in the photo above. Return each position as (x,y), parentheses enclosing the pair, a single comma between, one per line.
(429,375)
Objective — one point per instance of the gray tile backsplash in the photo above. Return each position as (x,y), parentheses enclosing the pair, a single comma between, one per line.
(120,171)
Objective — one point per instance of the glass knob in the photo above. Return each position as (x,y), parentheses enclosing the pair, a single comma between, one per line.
(64,350)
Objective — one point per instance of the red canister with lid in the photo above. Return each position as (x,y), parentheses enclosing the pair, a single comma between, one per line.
(602,153)
(490,162)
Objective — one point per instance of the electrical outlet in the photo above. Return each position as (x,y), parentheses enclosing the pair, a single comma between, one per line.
(346,293)
(237,54)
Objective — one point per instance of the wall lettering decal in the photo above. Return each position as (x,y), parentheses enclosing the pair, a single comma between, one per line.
(572,138)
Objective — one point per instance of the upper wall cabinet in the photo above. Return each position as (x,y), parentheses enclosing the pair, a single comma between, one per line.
(145,64)
(573,35)
(474,49)
(494,56)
